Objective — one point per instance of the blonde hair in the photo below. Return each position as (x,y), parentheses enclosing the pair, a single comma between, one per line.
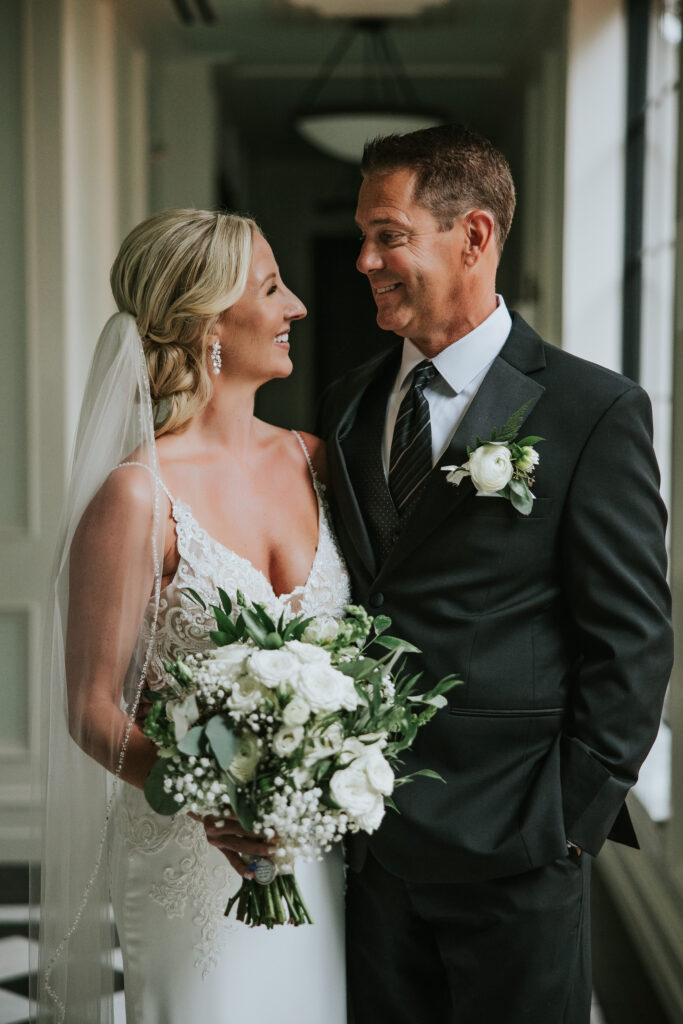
(176,273)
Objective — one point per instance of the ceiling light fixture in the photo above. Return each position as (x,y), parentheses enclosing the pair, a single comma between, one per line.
(389,103)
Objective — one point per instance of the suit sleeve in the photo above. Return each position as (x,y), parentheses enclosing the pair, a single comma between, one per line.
(614,573)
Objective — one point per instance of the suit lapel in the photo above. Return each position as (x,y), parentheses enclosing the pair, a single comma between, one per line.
(345,496)
(504,390)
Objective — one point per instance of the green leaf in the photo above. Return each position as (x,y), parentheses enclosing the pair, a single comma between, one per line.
(190,744)
(220,638)
(296,628)
(531,440)
(223,741)
(357,668)
(389,803)
(254,627)
(394,643)
(225,601)
(157,797)
(510,429)
(429,773)
(380,623)
(194,595)
(273,641)
(520,496)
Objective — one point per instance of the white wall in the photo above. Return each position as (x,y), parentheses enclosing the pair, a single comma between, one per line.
(594,180)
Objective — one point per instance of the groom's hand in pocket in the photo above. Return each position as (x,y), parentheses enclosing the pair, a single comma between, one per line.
(232,839)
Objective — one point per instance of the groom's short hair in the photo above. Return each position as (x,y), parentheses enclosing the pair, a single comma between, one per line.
(456,170)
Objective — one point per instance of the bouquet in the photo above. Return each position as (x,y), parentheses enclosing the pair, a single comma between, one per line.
(295,728)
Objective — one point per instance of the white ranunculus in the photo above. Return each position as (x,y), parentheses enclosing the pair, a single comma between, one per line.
(490,467)
(324,688)
(321,630)
(287,739)
(246,694)
(183,714)
(296,712)
(273,667)
(243,764)
(528,459)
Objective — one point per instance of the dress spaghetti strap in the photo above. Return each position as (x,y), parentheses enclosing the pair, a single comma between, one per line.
(156,476)
(301,441)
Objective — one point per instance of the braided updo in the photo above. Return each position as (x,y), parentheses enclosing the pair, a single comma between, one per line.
(176,273)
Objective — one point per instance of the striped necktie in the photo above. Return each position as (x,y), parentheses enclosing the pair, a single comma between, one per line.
(411,447)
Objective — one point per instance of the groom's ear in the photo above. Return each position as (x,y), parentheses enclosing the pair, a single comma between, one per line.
(479,228)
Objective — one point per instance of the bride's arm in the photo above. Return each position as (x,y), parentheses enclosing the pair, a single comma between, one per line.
(111,576)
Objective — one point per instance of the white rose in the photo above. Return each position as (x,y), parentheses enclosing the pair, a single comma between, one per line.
(296,712)
(307,654)
(491,467)
(324,688)
(379,771)
(183,714)
(273,667)
(231,658)
(321,630)
(287,739)
(244,762)
(371,819)
(351,789)
(325,744)
(528,459)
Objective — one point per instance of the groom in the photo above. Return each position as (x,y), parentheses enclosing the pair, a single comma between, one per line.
(472,904)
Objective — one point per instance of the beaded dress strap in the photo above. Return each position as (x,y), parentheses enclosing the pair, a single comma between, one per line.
(312,471)
(156,476)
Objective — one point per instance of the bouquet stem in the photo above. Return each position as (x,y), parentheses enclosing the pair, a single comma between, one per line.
(278,902)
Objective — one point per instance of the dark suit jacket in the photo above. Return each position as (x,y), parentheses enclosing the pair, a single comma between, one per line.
(558,622)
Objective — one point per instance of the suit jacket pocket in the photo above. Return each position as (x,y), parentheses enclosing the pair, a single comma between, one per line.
(502,508)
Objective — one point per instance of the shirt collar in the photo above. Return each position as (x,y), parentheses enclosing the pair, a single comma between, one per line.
(466,358)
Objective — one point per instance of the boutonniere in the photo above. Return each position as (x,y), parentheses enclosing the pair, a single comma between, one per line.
(502,465)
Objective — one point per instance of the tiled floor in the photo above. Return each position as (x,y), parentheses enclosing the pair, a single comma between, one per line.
(15,958)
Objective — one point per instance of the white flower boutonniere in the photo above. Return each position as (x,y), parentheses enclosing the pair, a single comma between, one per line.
(502,465)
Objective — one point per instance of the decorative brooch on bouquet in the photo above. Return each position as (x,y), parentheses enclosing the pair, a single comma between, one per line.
(502,465)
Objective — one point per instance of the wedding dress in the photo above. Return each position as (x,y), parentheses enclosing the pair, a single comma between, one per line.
(184,962)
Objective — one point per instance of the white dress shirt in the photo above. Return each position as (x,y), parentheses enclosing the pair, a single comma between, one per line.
(462,367)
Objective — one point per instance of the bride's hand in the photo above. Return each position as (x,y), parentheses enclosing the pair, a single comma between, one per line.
(232,839)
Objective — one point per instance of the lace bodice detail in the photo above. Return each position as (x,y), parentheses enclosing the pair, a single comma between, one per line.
(183,627)
(205,564)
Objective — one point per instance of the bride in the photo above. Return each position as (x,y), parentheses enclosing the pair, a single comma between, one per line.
(176,484)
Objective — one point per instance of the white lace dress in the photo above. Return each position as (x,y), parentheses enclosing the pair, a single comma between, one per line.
(183,961)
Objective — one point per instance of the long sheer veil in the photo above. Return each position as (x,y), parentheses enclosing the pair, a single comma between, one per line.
(75,971)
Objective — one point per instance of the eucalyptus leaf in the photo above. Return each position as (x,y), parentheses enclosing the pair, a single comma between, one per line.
(380,623)
(157,797)
(223,741)
(190,744)
(521,498)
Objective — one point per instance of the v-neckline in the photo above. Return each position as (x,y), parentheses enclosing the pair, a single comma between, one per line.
(299,589)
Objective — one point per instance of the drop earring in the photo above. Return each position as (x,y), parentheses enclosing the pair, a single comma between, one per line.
(216,360)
